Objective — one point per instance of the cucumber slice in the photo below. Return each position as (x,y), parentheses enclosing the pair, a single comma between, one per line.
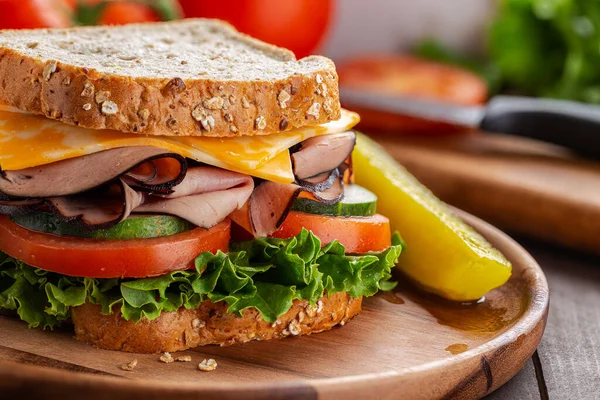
(357,202)
(134,227)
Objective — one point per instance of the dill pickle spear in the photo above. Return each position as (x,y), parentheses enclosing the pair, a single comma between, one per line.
(443,254)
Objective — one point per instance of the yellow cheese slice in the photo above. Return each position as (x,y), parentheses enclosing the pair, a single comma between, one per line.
(28,140)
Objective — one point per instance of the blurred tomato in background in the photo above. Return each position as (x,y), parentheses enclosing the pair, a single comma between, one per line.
(297,25)
(17,14)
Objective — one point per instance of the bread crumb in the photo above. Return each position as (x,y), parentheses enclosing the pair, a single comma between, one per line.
(166,358)
(342,323)
(184,358)
(32,45)
(129,366)
(109,108)
(207,365)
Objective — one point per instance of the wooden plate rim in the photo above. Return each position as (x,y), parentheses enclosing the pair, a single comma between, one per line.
(536,314)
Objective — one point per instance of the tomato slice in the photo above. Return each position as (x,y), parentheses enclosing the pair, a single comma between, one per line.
(95,258)
(358,234)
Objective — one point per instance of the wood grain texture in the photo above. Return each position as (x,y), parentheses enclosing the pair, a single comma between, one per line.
(523,386)
(570,350)
(516,184)
(400,347)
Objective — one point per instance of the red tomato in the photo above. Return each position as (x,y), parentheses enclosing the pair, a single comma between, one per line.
(95,258)
(27,14)
(295,25)
(411,77)
(126,12)
(358,234)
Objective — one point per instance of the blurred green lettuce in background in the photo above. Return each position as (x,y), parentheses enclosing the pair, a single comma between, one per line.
(547,48)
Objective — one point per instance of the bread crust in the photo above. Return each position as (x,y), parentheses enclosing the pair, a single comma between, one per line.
(208,324)
(169,105)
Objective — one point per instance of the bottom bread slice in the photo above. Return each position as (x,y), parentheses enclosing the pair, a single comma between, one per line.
(208,324)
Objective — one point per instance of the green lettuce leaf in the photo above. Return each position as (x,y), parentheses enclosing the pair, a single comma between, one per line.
(265,274)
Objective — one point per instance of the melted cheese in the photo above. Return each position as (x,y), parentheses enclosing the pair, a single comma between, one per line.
(28,140)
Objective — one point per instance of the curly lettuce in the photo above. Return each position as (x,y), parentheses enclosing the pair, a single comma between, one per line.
(265,274)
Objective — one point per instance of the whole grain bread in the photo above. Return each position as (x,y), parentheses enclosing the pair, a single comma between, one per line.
(208,324)
(195,77)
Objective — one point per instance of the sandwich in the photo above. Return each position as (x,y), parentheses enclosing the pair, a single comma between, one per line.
(170,185)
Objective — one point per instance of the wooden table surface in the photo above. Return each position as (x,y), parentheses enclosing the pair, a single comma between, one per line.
(567,363)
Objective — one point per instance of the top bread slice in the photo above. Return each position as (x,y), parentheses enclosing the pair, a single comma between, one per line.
(194,77)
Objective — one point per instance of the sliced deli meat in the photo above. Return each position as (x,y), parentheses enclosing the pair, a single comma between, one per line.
(322,154)
(100,190)
(320,166)
(144,167)
(206,196)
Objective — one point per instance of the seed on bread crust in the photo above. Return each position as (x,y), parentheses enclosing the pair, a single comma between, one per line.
(102,96)
(283,98)
(260,123)
(88,90)
(49,69)
(87,106)
(214,103)
(144,114)
(283,124)
(174,86)
(314,110)
(294,327)
(109,108)
(245,102)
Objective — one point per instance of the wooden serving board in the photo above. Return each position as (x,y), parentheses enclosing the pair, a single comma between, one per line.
(404,344)
(517,184)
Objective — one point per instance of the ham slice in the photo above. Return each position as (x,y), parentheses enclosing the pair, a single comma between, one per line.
(322,154)
(101,190)
(147,168)
(320,166)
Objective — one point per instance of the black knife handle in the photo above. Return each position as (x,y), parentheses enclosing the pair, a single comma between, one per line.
(566,123)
